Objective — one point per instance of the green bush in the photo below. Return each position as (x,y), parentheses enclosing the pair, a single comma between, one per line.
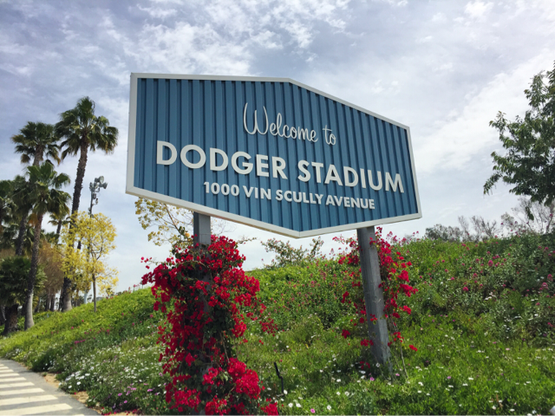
(488,350)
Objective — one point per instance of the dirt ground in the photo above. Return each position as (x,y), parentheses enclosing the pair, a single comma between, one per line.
(82,396)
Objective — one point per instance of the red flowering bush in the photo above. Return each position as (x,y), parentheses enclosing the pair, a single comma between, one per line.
(206,297)
(395,281)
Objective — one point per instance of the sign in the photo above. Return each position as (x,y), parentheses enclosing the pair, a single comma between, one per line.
(271,153)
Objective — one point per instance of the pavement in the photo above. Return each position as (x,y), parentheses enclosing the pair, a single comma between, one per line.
(23,392)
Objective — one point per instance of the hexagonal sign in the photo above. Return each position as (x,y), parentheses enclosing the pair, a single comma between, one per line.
(268,152)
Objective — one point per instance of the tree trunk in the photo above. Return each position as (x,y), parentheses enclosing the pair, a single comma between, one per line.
(58,230)
(11,319)
(65,297)
(37,308)
(2,314)
(94,291)
(80,175)
(33,275)
(66,289)
(21,236)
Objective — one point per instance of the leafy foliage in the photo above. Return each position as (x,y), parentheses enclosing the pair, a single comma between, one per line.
(35,141)
(13,280)
(287,255)
(529,163)
(86,265)
(172,223)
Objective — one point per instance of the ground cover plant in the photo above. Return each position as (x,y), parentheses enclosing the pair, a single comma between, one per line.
(481,323)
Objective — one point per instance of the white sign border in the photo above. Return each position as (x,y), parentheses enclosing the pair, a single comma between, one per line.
(132,190)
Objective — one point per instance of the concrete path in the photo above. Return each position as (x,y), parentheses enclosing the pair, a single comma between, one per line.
(23,392)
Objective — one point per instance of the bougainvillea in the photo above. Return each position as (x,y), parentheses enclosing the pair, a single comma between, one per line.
(207,298)
(395,281)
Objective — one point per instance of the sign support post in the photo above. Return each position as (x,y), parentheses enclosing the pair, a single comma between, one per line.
(373,294)
(201,229)
(202,235)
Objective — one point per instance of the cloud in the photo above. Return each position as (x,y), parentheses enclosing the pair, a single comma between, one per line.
(478,9)
(467,134)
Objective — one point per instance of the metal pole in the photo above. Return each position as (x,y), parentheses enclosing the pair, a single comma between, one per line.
(202,235)
(201,229)
(373,294)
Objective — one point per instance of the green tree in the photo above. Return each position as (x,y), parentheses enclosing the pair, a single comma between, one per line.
(82,131)
(172,223)
(22,202)
(46,196)
(59,220)
(6,202)
(97,235)
(13,285)
(35,141)
(287,255)
(529,164)
(50,259)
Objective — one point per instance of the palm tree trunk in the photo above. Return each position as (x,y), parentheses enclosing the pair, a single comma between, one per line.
(66,289)
(33,275)
(80,175)
(58,230)
(11,319)
(21,236)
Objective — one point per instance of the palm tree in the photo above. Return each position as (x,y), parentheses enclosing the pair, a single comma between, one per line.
(59,220)
(34,141)
(47,197)
(21,197)
(6,202)
(82,130)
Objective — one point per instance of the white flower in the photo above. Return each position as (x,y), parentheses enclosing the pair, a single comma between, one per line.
(338,380)
(419,391)
(78,382)
(321,371)
(470,378)
(298,405)
(493,407)
(328,407)
(294,368)
(346,393)
(285,391)
(290,405)
(339,394)
(420,383)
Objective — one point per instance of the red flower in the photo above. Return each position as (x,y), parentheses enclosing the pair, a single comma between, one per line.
(412,347)
(345,333)
(271,409)
(189,359)
(366,342)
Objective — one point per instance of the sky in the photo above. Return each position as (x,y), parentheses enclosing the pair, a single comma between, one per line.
(443,68)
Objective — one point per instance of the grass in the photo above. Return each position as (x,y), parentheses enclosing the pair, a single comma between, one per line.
(474,355)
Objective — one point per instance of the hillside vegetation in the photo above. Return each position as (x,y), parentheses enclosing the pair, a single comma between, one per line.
(482,321)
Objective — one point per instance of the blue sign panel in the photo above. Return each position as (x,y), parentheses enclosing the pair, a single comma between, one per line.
(268,152)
